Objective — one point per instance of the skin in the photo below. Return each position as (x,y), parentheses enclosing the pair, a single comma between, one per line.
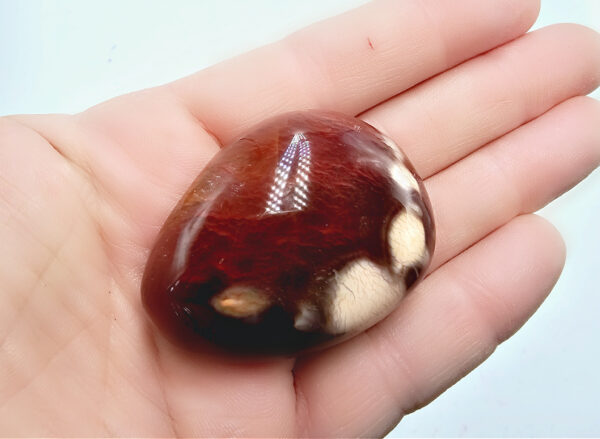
(491,118)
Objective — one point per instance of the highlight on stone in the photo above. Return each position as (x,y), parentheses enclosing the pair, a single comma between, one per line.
(302,233)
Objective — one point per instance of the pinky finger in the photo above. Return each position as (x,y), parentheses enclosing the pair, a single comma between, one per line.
(448,326)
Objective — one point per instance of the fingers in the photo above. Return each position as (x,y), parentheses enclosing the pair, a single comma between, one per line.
(518,173)
(451,115)
(351,62)
(449,325)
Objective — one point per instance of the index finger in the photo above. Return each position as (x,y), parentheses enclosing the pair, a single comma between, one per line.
(351,62)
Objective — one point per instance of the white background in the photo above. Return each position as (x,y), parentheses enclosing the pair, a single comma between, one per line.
(63,56)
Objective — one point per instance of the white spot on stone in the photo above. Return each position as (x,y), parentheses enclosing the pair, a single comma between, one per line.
(407,240)
(307,318)
(404,178)
(240,302)
(362,294)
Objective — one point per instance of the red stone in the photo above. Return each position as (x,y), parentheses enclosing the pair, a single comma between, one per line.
(283,243)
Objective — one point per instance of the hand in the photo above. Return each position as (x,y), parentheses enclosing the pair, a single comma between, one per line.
(82,198)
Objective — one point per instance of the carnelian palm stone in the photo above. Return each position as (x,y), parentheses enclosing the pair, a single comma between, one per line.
(304,232)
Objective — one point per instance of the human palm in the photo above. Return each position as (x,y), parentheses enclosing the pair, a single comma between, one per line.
(83,196)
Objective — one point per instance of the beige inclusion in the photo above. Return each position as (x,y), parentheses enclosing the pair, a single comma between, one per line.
(240,302)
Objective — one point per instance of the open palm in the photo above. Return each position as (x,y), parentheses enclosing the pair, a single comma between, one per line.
(493,120)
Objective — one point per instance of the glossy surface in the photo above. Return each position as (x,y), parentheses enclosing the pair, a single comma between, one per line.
(305,231)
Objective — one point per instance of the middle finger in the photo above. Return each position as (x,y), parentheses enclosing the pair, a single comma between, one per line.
(453,114)
(518,173)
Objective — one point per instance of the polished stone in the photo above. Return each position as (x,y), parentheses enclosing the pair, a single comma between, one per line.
(304,232)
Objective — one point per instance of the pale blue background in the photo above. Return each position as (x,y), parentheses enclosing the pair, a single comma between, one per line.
(63,56)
